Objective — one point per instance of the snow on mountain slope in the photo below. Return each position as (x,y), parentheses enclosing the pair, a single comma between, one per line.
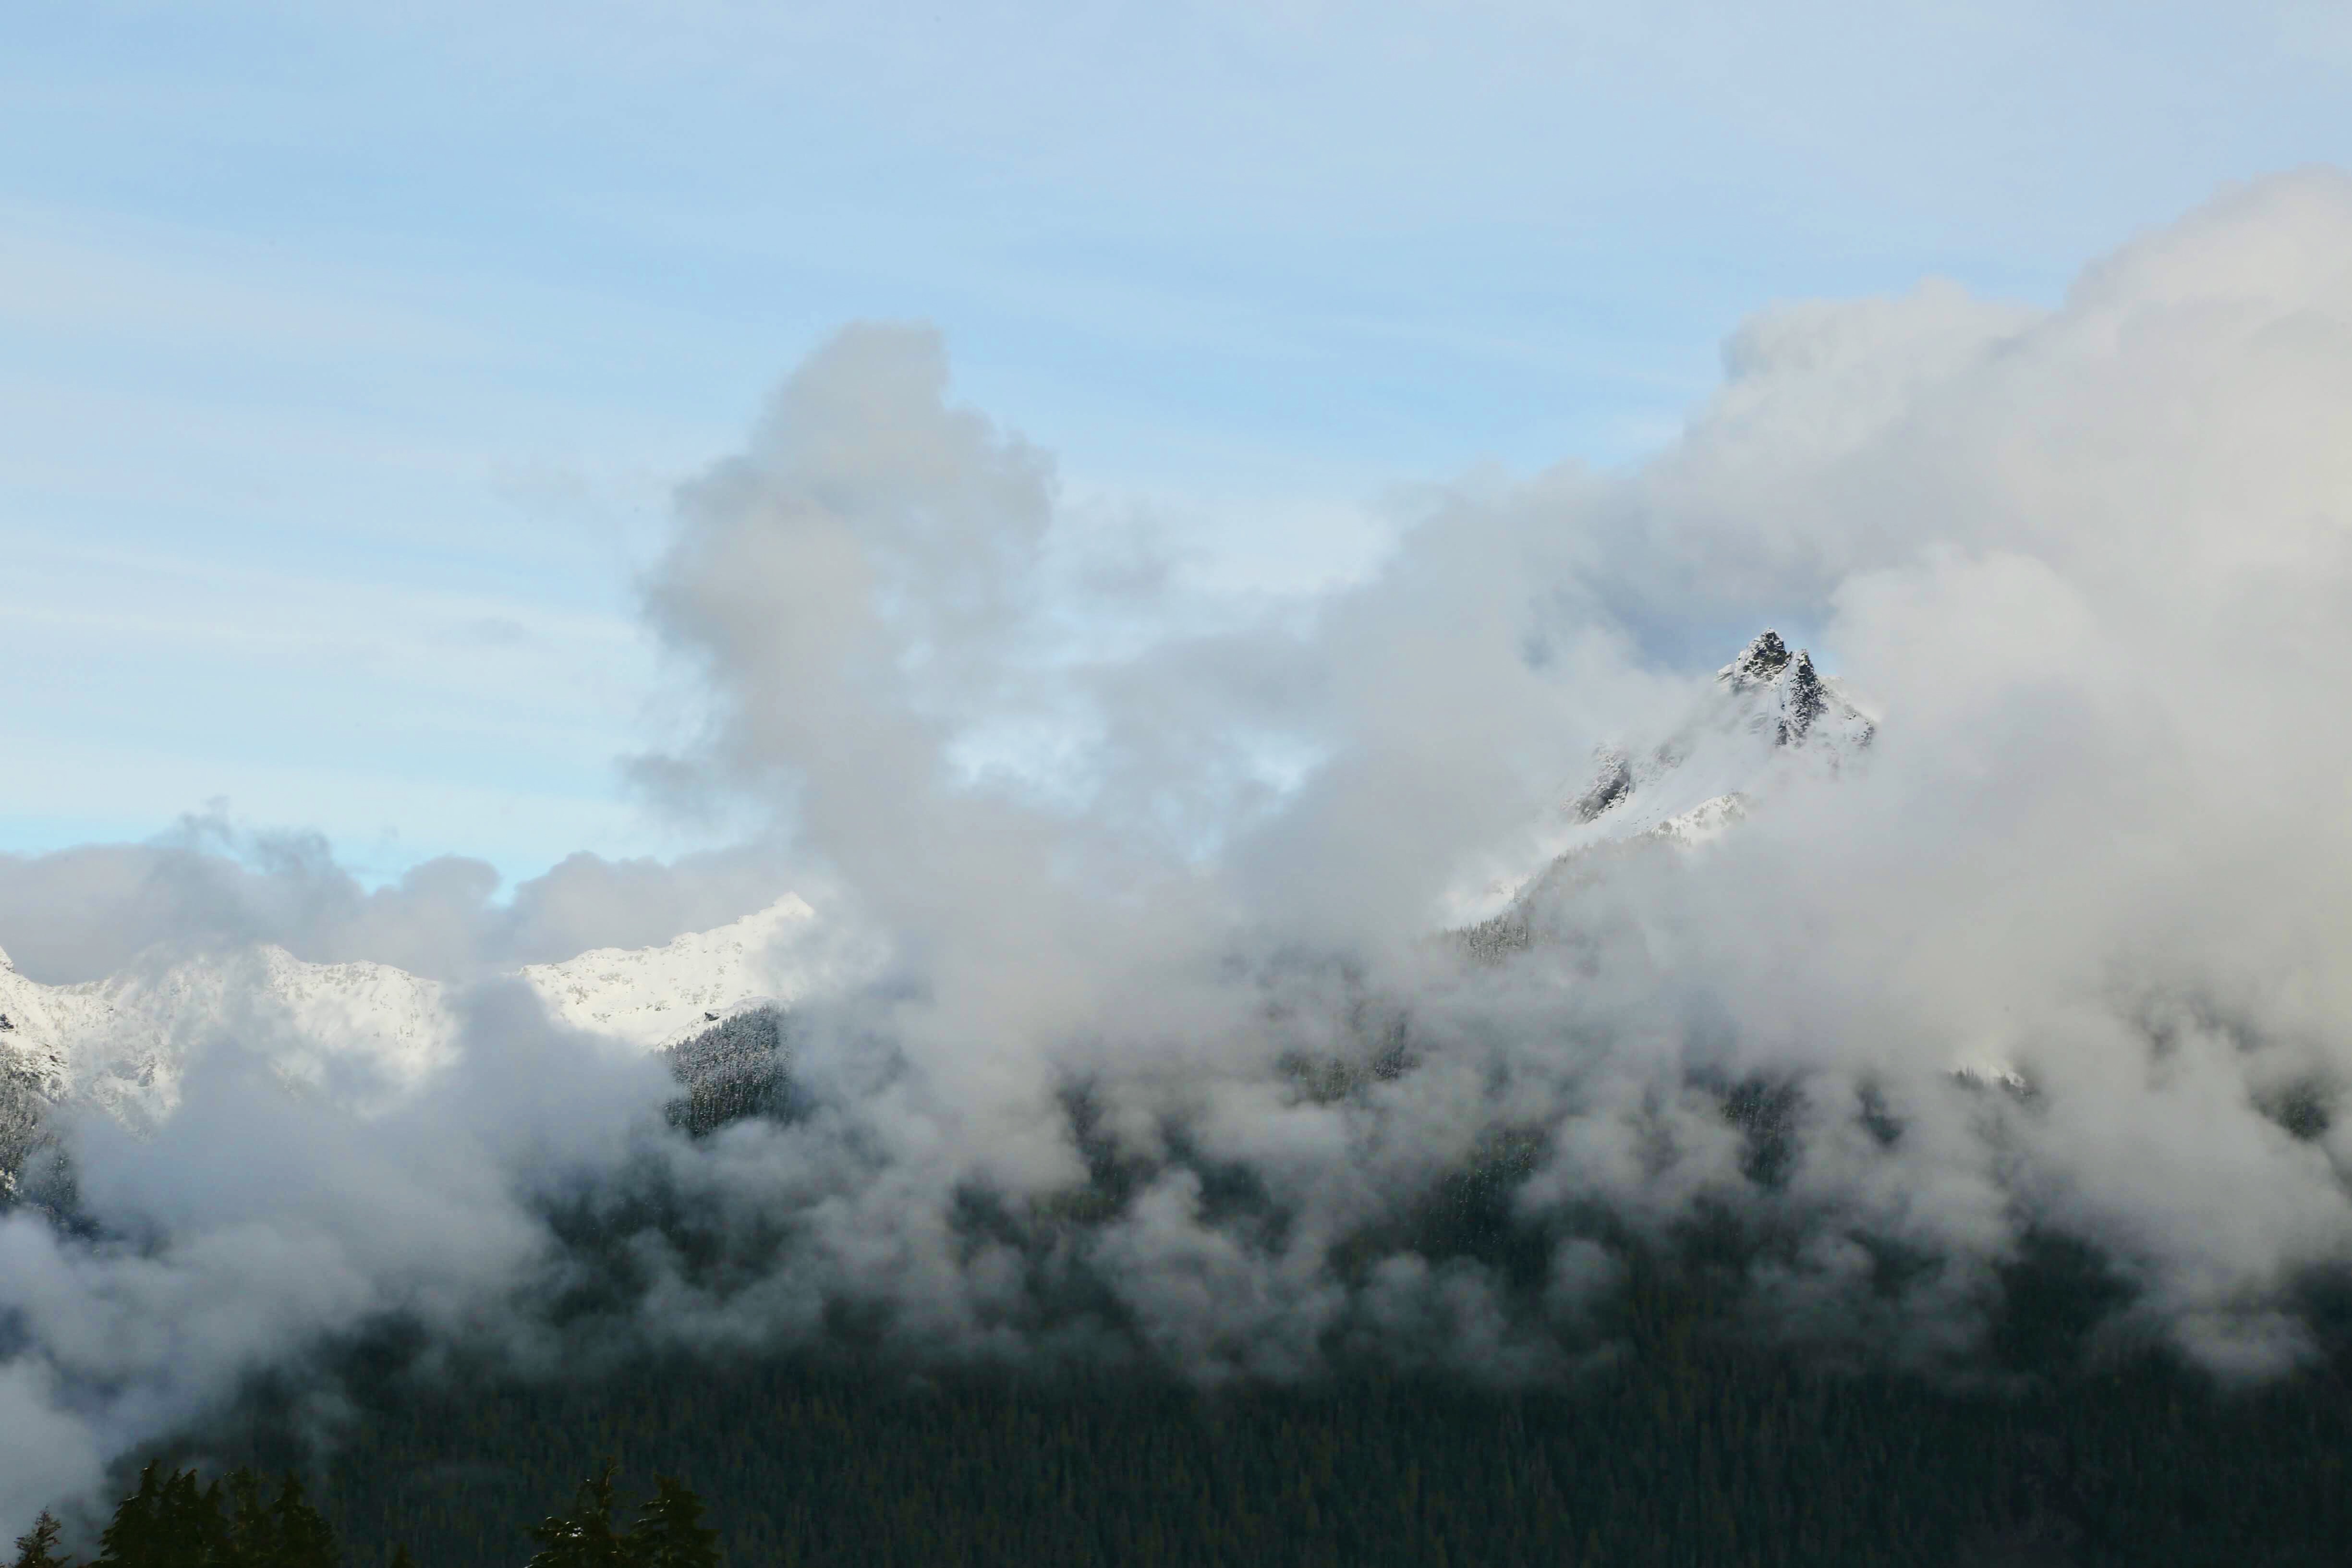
(652,996)
(66,1041)
(358,1033)
(363,1033)
(1770,721)
(40,1025)
(1769,716)
(360,1030)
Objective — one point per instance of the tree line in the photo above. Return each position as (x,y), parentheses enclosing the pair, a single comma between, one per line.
(177,1520)
(1684,1454)
(1690,1444)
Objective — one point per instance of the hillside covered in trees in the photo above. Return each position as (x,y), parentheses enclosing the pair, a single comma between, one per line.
(1689,1445)
(1677,1436)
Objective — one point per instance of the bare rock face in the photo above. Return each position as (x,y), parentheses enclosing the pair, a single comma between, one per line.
(1615,783)
(1763,661)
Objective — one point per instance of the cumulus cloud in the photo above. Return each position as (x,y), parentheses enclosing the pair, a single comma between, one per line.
(2091,562)
(1163,1057)
(213,885)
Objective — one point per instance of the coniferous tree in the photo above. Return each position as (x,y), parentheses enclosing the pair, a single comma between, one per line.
(286,1533)
(299,1534)
(174,1521)
(583,1538)
(171,1522)
(249,1524)
(669,1531)
(134,1535)
(36,1548)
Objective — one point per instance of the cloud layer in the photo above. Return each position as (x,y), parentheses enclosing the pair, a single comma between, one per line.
(1159,1057)
(212,887)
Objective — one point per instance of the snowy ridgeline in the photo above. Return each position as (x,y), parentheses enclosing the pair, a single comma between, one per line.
(716,1001)
(362,1033)
(1769,722)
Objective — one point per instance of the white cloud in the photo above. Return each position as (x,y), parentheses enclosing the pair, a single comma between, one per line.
(2090,563)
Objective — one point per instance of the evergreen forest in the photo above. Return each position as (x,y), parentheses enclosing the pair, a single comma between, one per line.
(1677,1436)
(1687,1451)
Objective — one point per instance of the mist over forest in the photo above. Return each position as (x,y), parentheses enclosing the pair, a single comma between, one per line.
(1238,1100)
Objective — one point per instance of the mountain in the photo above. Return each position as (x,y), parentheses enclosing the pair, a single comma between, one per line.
(362,1033)
(359,1033)
(657,996)
(1770,721)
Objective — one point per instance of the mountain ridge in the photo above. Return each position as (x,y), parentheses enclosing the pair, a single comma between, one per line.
(358,1031)
(363,1033)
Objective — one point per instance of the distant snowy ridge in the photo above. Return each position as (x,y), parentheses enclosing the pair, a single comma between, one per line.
(77,1041)
(359,1033)
(654,996)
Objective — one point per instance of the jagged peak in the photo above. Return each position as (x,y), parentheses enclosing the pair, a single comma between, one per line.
(1763,659)
(1768,671)
(7,965)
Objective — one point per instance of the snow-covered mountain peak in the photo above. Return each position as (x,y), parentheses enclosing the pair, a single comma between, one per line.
(1768,715)
(651,996)
(1774,690)
(1761,660)
(1769,710)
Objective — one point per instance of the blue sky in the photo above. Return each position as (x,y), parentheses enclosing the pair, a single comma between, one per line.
(349,353)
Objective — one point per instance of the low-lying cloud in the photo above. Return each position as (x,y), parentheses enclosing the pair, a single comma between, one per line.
(1160,1058)
(212,885)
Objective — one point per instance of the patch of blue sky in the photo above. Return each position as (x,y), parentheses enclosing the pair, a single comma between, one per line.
(348,354)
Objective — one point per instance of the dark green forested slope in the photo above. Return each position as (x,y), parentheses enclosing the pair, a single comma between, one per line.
(1689,1443)
(1718,1467)
(1684,1452)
